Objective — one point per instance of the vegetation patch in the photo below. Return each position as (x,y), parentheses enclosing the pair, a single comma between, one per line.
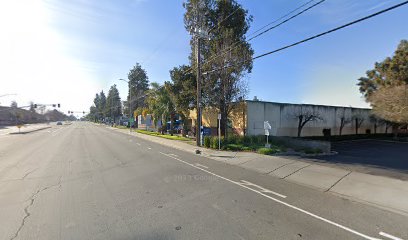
(156,134)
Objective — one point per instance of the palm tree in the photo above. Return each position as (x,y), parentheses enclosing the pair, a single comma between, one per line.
(160,104)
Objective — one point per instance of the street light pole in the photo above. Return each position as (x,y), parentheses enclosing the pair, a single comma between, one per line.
(130,102)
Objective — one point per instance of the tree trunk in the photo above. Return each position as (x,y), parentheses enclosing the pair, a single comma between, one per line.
(395,131)
(300,126)
(171,123)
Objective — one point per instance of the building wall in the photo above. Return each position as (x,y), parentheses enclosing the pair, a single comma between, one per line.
(210,118)
(283,119)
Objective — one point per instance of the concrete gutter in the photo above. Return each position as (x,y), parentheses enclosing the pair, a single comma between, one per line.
(383,192)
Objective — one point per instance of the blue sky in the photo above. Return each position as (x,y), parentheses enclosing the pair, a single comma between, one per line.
(66,51)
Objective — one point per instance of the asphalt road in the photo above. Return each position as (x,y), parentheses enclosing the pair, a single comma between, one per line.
(84,181)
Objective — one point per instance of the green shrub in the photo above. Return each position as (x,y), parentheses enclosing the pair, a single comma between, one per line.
(268,151)
(232,139)
(234,147)
(254,139)
(247,148)
(207,141)
(214,142)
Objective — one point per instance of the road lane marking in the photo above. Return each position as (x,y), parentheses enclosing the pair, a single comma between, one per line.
(172,154)
(262,189)
(279,201)
(149,148)
(390,236)
(199,165)
(138,144)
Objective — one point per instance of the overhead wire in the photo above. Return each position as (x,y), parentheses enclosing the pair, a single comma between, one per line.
(320,34)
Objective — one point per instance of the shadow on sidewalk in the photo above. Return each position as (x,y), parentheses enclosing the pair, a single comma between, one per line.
(369,156)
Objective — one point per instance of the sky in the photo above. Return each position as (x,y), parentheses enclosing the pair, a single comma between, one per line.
(66,51)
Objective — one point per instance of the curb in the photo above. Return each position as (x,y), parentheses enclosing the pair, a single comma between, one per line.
(25,132)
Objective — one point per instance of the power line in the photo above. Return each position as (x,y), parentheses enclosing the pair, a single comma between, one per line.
(332,30)
(219,23)
(280,18)
(320,34)
(286,20)
(233,46)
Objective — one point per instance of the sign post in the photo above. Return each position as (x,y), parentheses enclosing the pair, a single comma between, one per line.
(267,127)
(219,131)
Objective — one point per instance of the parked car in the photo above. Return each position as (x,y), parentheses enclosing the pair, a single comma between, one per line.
(59,123)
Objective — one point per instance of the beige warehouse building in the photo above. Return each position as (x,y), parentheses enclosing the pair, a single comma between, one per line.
(249,116)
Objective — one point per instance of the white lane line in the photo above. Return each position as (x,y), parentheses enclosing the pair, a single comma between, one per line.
(172,154)
(138,144)
(199,165)
(262,189)
(149,148)
(390,236)
(279,201)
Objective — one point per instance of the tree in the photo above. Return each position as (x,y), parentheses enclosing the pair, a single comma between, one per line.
(160,104)
(113,103)
(138,86)
(358,121)
(182,90)
(391,103)
(304,115)
(97,106)
(385,87)
(344,120)
(228,55)
(102,104)
(14,104)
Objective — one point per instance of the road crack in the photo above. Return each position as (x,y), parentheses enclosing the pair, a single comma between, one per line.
(28,173)
(26,209)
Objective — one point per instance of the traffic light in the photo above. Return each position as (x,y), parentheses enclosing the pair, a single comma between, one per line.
(83,112)
(59,105)
(53,105)
(69,112)
(35,105)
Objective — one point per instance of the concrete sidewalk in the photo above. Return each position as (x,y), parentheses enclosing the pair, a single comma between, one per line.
(27,128)
(384,192)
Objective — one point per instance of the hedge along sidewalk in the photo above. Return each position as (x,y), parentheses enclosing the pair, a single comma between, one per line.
(357,186)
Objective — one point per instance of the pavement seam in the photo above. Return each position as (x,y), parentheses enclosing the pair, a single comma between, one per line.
(297,171)
(279,167)
(334,184)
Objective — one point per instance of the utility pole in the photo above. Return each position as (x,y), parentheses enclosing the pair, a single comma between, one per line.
(198,131)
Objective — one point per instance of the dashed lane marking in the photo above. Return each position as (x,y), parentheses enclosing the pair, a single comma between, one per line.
(350,230)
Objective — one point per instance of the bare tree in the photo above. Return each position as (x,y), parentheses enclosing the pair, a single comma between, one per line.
(375,121)
(304,115)
(358,121)
(344,120)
